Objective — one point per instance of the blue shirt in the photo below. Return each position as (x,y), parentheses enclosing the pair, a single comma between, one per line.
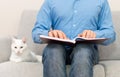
(73,17)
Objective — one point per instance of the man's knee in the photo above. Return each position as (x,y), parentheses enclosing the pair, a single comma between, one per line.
(83,49)
(83,46)
(82,52)
(53,48)
(54,52)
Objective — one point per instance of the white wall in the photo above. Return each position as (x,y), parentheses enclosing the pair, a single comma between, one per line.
(11,10)
(115,5)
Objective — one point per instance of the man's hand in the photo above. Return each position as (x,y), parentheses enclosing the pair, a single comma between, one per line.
(87,34)
(57,34)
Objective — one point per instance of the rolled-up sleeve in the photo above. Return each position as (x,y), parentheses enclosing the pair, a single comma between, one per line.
(43,22)
(105,25)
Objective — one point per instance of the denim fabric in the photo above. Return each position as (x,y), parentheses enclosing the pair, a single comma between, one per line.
(82,57)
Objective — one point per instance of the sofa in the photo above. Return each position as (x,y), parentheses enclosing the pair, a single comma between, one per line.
(108,66)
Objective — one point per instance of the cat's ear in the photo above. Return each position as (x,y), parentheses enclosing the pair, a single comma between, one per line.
(14,38)
(24,39)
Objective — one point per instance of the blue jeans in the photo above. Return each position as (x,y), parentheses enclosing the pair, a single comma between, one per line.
(82,58)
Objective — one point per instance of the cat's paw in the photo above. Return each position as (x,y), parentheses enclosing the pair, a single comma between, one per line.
(39,58)
(16,60)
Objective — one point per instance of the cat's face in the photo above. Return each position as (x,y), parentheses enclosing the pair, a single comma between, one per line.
(18,46)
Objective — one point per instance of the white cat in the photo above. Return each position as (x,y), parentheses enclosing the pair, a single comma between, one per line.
(21,53)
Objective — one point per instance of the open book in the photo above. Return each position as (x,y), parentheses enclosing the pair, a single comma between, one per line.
(47,39)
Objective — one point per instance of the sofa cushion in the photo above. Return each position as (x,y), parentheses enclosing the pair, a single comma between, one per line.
(22,69)
(4,48)
(28,69)
(112,68)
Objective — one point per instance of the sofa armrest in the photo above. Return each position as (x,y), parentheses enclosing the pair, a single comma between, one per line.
(4,48)
(99,71)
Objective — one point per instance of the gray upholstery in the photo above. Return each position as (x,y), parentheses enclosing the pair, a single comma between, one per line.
(112,68)
(23,69)
(99,71)
(107,67)
(4,48)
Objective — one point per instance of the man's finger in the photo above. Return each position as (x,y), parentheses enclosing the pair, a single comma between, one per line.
(60,35)
(55,34)
(88,34)
(94,35)
(64,36)
(50,34)
(79,35)
(84,33)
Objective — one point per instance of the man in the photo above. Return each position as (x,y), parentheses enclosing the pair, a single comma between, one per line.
(68,19)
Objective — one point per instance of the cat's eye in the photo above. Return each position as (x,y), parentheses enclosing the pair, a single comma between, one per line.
(15,47)
(21,47)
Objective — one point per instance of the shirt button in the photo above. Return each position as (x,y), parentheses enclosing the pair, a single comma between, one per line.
(74,25)
(75,11)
